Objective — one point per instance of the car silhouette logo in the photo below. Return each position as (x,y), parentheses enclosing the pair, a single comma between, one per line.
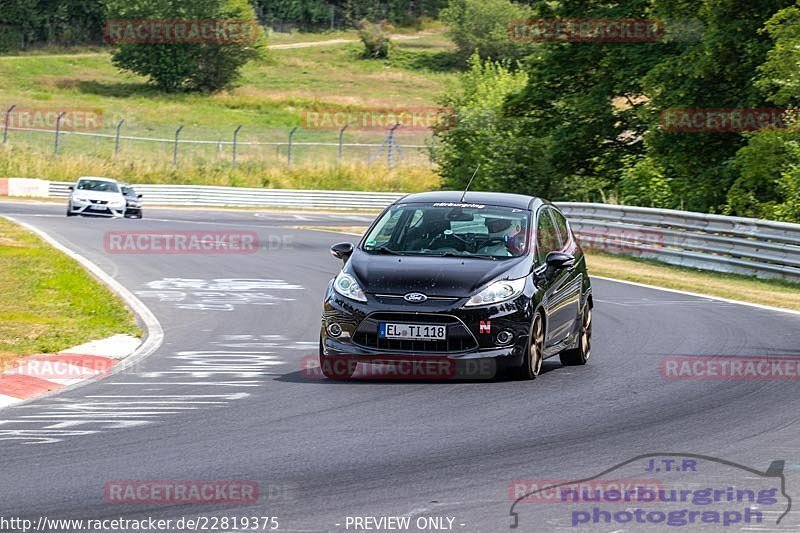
(415,297)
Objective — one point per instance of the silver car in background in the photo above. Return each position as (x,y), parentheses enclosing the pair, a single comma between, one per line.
(96,196)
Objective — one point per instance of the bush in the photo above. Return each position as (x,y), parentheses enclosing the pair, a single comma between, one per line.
(475,131)
(482,26)
(187,66)
(768,182)
(375,38)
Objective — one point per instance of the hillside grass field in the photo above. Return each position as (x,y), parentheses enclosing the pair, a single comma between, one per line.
(272,97)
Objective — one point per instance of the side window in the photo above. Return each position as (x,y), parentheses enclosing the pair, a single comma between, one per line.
(563,228)
(546,236)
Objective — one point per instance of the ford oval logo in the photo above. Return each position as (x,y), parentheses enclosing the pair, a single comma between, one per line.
(415,297)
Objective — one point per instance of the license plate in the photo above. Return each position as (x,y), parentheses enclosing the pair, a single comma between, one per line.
(424,332)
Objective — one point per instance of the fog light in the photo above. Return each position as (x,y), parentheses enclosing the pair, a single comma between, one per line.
(334,329)
(505,337)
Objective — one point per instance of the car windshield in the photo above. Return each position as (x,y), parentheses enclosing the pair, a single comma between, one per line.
(97,185)
(447,229)
(127,191)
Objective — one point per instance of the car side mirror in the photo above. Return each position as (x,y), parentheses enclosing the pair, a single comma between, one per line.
(342,250)
(139,196)
(71,187)
(559,261)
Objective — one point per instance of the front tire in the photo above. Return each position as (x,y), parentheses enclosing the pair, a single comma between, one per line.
(534,355)
(580,355)
(69,210)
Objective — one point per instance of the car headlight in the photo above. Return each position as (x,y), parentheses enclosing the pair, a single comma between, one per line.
(497,292)
(347,286)
(79,199)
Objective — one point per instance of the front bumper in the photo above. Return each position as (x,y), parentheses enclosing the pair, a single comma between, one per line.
(87,208)
(477,329)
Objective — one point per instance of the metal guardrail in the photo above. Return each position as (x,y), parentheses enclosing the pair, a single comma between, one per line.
(200,195)
(709,242)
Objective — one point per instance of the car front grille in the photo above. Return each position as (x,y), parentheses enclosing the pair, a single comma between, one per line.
(459,338)
(99,202)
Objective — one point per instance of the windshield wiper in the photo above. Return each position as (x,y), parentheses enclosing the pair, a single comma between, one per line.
(468,256)
(384,249)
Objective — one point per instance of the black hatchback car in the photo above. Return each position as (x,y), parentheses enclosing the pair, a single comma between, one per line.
(455,278)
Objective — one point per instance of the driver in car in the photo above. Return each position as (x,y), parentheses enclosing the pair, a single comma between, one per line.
(506,235)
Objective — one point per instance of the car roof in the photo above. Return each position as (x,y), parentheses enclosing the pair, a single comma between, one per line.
(95,178)
(502,199)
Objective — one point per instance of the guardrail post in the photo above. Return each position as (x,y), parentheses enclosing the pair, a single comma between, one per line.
(58,131)
(5,126)
(341,137)
(289,151)
(116,137)
(235,143)
(175,148)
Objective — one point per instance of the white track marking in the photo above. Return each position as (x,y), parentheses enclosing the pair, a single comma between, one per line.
(698,295)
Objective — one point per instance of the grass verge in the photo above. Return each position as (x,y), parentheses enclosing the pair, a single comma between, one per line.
(48,302)
(775,293)
(258,174)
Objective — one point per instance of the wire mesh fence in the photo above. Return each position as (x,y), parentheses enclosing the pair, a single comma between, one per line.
(195,145)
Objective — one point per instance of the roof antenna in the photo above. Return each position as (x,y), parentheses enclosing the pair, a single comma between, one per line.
(470,182)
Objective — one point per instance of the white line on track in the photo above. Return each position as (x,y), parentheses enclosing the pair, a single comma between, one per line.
(698,295)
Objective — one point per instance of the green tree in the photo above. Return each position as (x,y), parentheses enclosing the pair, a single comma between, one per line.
(474,131)
(482,26)
(185,66)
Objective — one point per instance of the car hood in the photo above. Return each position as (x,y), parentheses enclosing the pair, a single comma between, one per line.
(432,276)
(100,195)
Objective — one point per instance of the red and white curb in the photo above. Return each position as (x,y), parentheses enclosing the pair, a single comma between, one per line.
(37,375)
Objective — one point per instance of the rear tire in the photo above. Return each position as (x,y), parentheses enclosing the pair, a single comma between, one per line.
(580,355)
(534,354)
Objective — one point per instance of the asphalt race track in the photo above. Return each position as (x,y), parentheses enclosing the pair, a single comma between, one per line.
(226,398)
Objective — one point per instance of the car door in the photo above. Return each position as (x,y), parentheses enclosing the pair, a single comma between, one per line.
(561,298)
(573,282)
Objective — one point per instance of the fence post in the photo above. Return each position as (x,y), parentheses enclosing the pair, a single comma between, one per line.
(58,131)
(116,138)
(341,136)
(5,127)
(235,142)
(289,151)
(175,149)
(391,141)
